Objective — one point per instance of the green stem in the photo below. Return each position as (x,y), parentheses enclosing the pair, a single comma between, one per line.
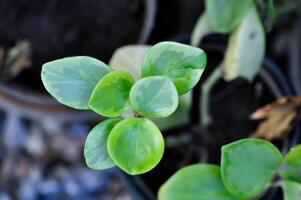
(206,89)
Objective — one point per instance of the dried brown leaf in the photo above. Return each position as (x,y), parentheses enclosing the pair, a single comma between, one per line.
(278,118)
(282,103)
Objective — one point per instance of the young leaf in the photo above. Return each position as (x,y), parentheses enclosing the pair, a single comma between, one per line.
(95,151)
(195,182)
(246,48)
(136,145)
(291,190)
(110,96)
(201,29)
(129,58)
(226,15)
(154,96)
(248,165)
(292,165)
(71,80)
(183,64)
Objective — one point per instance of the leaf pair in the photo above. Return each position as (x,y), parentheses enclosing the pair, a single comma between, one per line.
(130,59)
(246,48)
(247,167)
(135,145)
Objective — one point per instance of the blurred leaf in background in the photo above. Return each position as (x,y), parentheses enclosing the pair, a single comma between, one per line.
(14,60)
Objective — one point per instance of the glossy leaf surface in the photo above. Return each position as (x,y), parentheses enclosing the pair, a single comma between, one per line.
(183,64)
(129,58)
(154,96)
(292,165)
(291,190)
(195,182)
(136,145)
(248,165)
(95,151)
(71,80)
(246,48)
(225,15)
(110,96)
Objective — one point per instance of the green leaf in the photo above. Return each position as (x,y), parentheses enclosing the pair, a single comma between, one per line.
(110,96)
(95,151)
(201,29)
(246,48)
(225,15)
(248,165)
(136,145)
(71,80)
(195,182)
(291,190)
(154,96)
(130,59)
(292,165)
(182,63)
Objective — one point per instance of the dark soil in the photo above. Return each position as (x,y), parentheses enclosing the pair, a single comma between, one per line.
(59,28)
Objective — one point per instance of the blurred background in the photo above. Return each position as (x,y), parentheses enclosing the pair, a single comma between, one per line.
(41,141)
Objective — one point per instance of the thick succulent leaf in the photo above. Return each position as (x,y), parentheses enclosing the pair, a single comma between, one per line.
(154,96)
(201,29)
(248,165)
(292,165)
(95,151)
(71,80)
(175,60)
(136,145)
(246,49)
(129,58)
(195,182)
(110,96)
(225,15)
(291,190)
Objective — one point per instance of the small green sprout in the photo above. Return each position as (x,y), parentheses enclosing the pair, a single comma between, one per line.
(135,144)
(248,168)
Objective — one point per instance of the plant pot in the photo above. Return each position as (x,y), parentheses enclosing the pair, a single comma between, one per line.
(230,106)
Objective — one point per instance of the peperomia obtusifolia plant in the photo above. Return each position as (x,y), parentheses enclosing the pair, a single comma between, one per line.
(133,143)
(248,168)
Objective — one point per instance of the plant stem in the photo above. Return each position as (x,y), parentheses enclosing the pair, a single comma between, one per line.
(206,89)
(137,114)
